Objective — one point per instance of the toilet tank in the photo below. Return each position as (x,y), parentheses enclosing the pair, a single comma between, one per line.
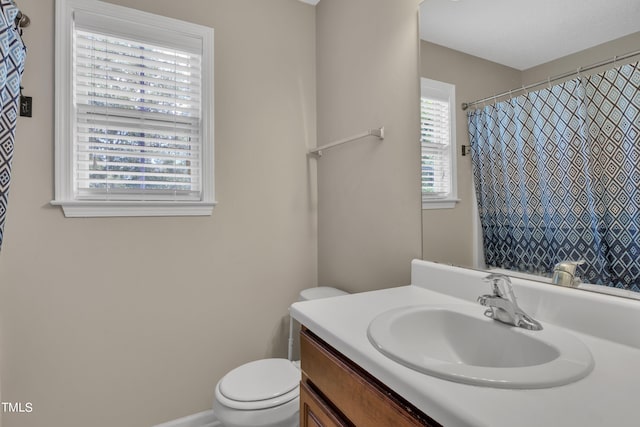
(307,295)
(320,292)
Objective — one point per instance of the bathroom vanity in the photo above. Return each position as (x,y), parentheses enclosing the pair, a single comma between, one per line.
(347,381)
(334,391)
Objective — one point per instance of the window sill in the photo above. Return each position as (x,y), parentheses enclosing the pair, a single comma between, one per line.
(439,204)
(89,209)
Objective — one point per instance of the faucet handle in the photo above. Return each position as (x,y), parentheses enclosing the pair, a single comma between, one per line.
(568,266)
(493,276)
(564,273)
(495,279)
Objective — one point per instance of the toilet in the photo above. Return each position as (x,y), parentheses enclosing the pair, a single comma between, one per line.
(265,393)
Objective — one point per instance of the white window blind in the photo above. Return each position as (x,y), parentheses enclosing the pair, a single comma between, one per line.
(138,113)
(435,137)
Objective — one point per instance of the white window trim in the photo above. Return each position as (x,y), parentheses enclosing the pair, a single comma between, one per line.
(427,89)
(64,111)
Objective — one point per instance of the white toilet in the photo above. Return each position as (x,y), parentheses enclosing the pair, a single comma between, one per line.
(264,393)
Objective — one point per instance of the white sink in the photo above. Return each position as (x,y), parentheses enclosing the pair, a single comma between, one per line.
(458,343)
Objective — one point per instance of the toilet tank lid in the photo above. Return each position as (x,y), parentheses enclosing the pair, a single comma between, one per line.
(320,292)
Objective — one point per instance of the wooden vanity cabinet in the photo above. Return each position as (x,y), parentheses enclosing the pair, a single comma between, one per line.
(335,392)
(315,412)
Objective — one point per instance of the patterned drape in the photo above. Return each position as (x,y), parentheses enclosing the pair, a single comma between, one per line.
(12,56)
(557,175)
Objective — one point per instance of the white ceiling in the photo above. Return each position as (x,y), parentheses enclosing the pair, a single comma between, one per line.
(526,33)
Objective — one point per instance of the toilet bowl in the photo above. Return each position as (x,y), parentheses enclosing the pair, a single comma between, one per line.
(260,393)
(264,393)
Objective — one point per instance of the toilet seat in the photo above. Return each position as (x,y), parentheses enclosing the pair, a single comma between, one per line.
(260,384)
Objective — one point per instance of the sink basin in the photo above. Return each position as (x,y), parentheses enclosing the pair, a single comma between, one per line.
(459,343)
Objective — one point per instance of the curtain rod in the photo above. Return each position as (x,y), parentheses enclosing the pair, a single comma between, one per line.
(466,105)
(371,132)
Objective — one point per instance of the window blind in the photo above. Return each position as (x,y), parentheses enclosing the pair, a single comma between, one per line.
(435,138)
(138,119)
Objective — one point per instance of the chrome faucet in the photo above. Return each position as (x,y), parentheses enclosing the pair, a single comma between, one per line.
(564,273)
(503,306)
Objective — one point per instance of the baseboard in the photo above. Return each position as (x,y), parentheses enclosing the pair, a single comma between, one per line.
(201,419)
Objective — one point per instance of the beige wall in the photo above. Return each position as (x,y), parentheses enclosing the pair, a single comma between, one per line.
(448,233)
(369,191)
(594,55)
(131,321)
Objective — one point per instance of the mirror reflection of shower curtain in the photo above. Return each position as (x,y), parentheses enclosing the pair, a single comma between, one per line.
(12,57)
(557,177)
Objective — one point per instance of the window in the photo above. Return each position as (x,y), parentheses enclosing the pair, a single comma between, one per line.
(134,112)
(438,141)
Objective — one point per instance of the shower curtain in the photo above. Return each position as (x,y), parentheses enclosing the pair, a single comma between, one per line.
(557,177)
(12,57)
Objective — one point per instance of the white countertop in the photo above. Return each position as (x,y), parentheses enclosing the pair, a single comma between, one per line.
(606,397)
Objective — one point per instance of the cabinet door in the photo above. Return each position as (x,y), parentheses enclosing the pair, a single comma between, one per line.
(314,412)
(351,392)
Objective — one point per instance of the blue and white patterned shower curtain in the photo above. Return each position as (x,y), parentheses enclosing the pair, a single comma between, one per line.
(557,176)
(12,57)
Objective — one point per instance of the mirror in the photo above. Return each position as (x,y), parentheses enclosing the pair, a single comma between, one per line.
(491,47)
